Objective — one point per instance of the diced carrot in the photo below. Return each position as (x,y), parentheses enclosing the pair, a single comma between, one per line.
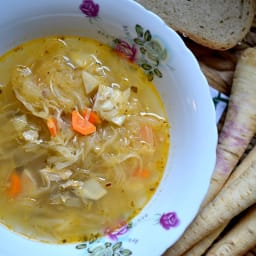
(82,125)
(144,173)
(52,126)
(93,117)
(15,185)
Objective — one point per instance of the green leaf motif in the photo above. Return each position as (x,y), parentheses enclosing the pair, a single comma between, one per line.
(125,252)
(81,246)
(152,52)
(130,225)
(158,73)
(152,57)
(164,54)
(116,41)
(138,41)
(96,249)
(106,249)
(146,66)
(147,36)
(139,30)
(117,246)
(143,50)
(108,244)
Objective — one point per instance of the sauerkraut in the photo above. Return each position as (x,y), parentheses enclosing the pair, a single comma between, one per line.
(84,132)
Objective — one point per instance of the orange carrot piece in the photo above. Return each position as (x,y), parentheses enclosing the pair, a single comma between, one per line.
(15,185)
(82,125)
(93,117)
(144,173)
(52,126)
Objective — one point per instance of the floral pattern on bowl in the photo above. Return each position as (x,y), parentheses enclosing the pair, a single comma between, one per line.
(169,220)
(144,49)
(112,244)
(106,249)
(89,8)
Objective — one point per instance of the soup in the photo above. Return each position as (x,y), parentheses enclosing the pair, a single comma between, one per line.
(84,139)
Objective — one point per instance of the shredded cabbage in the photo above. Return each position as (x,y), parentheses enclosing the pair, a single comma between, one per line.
(72,181)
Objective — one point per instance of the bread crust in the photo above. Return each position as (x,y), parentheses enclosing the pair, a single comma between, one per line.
(218,24)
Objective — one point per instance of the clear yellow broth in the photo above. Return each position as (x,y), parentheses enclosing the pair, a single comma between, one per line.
(43,178)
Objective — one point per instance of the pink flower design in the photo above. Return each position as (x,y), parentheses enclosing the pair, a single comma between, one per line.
(89,8)
(169,220)
(126,50)
(121,229)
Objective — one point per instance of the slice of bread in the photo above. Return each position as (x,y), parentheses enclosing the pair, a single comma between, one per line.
(217,24)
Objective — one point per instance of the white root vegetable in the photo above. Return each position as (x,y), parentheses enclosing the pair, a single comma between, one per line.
(201,247)
(206,242)
(231,200)
(238,130)
(240,239)
(240,122)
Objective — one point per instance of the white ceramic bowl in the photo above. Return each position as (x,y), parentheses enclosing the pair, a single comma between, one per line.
(186,96)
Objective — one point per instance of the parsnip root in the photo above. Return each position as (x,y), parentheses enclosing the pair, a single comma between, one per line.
(201,247)
(240,239)
(240,123)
